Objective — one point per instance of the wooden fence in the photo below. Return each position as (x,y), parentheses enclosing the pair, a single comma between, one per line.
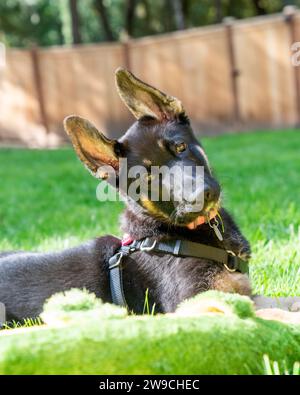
(237,75)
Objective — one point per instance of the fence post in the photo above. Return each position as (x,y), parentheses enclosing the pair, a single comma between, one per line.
(38,85)
(289,15)
(125,40)
(234,72)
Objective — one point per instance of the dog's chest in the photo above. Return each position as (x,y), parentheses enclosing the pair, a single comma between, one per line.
(165,280)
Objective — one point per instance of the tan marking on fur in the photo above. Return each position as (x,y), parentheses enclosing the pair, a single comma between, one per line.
(161,144)
(147,162)
(232,283)
(148,204)
(92,147)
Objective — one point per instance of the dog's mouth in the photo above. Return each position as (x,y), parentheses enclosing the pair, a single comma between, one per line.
(194,219)
(201,219)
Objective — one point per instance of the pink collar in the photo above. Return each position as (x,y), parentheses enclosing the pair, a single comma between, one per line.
(126,240)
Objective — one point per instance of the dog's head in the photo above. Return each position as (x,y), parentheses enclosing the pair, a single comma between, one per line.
(166,171)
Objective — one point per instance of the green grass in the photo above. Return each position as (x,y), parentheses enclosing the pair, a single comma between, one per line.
(26,323)
(235,342)
(48,201)
(273,368)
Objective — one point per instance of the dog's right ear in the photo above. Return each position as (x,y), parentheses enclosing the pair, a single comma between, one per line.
(92,147)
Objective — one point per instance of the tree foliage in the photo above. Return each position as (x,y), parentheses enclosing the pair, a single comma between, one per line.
(24,23)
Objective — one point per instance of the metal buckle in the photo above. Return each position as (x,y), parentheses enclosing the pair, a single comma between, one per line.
(132,246)
(118,257)
(232,255)
(145,248)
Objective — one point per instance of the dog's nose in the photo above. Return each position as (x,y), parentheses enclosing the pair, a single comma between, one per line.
(210,193)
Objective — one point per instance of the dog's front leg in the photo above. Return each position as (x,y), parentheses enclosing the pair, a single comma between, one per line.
(284,309)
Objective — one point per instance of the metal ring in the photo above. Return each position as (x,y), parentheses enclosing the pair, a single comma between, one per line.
(230,270)
(213,222)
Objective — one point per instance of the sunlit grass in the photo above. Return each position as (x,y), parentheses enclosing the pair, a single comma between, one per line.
(274,368)
(48,201)
(26,323)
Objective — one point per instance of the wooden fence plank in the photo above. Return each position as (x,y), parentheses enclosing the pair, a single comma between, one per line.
(242,72)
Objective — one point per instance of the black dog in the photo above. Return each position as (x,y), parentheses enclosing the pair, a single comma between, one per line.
(162,136)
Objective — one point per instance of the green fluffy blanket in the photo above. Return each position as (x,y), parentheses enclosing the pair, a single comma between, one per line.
(213,333)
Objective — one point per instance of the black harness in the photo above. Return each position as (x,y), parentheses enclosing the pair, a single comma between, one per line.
(182,248)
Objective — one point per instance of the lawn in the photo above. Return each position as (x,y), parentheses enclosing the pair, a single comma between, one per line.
(48,201)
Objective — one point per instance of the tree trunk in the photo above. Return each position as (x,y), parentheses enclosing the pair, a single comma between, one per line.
(101,10)
(260,10)
(147,26)
(75,22)
(130,10)
(218,8)
(178,14)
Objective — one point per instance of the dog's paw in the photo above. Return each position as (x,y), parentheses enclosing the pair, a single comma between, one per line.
(288,317)
(295,307)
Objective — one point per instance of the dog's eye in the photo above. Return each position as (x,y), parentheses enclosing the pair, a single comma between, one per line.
(180,147)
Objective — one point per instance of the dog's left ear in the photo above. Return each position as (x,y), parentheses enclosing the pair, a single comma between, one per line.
(144,100)
(92,147)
